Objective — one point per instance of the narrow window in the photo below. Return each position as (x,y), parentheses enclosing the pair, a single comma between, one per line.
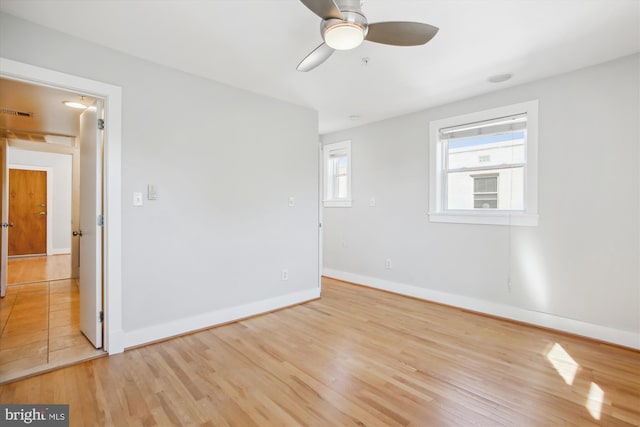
(337,174)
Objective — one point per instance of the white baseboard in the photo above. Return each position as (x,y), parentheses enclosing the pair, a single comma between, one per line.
(60,251)
(114,343)
(577,327)
(213,318)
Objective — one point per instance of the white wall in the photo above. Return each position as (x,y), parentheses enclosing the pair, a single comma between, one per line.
(59,211)
(578,270)
(224,162)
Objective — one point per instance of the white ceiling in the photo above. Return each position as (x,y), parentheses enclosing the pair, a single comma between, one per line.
(256,45)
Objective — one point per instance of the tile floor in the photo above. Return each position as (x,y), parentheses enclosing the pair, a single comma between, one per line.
(40,328)
(38,269)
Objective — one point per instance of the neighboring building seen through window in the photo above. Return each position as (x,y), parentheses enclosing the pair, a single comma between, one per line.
(486,168)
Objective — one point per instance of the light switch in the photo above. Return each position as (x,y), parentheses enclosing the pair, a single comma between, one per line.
(137,199)
(372,201)
(152,194)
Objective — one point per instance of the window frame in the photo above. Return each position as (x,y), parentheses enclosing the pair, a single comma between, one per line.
(328,200)
(437,166)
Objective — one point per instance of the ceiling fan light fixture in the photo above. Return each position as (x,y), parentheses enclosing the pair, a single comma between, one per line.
(344,36)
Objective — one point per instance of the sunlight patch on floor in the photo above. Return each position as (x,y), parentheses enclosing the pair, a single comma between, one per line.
(594,401)
(563,363)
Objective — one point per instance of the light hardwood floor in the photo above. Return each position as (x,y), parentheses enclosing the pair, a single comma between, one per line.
(355,357)
(39,320)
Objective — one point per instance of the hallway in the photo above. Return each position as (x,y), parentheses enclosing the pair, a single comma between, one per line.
(38,269)
(39,319)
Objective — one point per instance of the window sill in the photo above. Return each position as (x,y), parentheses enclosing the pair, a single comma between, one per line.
(337,203)
(486,218)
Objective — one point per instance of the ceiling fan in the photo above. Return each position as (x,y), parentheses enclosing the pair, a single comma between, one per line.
(344,27)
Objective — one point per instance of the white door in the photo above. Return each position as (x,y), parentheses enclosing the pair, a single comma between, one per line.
(4,218)
(90,141)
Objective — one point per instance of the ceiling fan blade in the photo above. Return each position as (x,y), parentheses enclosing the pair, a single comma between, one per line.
(325,9)
(401,33)
(315,58)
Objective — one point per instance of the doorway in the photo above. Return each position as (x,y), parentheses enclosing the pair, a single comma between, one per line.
(114,336)
(40,324)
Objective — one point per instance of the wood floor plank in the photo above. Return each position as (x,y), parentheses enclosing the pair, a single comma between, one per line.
(356,357)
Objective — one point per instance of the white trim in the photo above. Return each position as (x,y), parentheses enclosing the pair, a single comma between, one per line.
(337,203)
(545,320)
(49,172)
(60,251)
(112,96)
(437,212)
(320,214)
(489,218)
(215,318)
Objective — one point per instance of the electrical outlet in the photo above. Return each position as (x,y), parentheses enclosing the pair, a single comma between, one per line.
(292,202)
(387,263)
(509,285)
(372,201)
(285,274)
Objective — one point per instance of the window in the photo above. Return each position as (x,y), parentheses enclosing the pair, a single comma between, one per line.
(484,167)
(337,174)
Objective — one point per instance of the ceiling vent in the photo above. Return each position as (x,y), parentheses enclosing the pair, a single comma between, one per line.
(10,112)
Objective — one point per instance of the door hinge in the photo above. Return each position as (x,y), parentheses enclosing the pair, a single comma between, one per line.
(319,225)
(100,124)
(101,316)
(100,220)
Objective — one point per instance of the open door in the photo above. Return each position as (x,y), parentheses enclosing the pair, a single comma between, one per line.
(90,140)
(4,217)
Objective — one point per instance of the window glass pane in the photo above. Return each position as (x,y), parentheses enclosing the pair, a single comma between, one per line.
(486,150)
(341,187)
(337,174)
(503,191)
(340,167)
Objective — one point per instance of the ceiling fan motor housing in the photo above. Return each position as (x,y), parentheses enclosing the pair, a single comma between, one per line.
(353,18)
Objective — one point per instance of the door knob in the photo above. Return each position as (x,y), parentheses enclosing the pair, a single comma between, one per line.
(43,213)
(77,233)
(6,225)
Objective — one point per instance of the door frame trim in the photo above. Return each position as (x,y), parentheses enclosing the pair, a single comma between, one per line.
(112,249)
(48,170)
